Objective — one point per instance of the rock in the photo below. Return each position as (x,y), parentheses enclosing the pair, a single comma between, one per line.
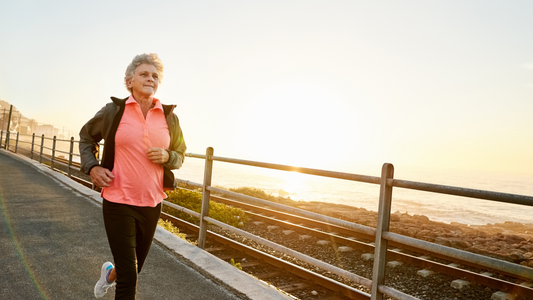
(421,218)
(345,249)
(442,241)
(367,256)
(426,235)
(502,296)
(394,264)
(459,243)
(459,284)
(424,273)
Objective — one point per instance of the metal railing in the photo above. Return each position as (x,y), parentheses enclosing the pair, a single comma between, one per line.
(381,232)
(40,149)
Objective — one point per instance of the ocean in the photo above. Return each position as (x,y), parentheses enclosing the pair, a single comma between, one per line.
(438,207)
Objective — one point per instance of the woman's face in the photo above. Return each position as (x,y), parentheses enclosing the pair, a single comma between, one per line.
(145,81)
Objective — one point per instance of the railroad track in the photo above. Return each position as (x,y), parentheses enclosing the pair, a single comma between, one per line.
(293,279)
(407,255)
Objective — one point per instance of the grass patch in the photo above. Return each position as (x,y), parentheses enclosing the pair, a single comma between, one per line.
(193,200)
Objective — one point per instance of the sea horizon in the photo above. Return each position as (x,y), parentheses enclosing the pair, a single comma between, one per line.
(437,207)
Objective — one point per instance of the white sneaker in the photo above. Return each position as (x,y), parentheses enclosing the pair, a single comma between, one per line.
(102,285)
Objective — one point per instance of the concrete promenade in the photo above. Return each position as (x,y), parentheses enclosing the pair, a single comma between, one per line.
(53,243)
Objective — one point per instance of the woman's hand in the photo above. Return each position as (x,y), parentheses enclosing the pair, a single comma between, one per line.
(158,155)
(101,177)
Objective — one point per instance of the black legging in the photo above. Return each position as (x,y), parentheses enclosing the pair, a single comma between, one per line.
(130,230)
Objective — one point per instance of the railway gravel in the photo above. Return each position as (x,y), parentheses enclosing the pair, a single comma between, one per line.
(402,277)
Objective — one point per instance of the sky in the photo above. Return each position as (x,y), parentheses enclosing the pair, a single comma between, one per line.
(337,85)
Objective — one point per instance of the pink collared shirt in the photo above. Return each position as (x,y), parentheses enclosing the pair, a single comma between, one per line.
(138,181)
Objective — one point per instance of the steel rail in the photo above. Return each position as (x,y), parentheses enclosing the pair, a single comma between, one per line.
(356,227)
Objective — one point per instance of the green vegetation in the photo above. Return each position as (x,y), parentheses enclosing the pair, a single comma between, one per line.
(193,200)
(171,228)
(236,265)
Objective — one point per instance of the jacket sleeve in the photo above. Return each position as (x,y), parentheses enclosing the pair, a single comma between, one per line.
(177,145)
(90,136)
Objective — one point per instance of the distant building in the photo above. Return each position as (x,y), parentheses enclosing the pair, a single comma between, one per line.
(46,129)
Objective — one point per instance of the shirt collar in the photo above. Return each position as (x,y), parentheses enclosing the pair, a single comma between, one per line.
(157,103)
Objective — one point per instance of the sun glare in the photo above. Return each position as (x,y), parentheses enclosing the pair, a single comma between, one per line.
(292,184)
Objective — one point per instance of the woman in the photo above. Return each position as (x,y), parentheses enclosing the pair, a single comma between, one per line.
(143,142)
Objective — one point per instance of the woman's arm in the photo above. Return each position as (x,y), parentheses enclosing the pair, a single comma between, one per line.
(177,148)
(90,136)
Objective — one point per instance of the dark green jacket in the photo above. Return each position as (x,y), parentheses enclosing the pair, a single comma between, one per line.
(104,126)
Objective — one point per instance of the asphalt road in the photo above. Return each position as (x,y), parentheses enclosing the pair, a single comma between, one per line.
(53,243)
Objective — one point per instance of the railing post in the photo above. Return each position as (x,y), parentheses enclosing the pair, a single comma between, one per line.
(70,156)
(32,144)
(208,171)
(53,152)
(17,142)
(41,151)
(8,125)
(380,252)
(7,140)
(1,137)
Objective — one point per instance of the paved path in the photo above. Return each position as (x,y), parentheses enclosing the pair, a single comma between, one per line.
(53,242)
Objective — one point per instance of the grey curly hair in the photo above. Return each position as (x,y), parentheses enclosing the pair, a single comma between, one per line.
(145,58)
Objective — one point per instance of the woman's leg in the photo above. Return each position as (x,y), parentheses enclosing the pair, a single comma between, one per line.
(146,226)
(121,230)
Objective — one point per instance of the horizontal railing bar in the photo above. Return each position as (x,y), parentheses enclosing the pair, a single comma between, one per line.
(61,151)
(49,158)
(465,192)
(62,140)
(356,227)
(182,209)
(191,183)
(395,293)
(323,173)
(305,258)
(75,168)
(310,171)
(492,263)
(60,163)
(202,156)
